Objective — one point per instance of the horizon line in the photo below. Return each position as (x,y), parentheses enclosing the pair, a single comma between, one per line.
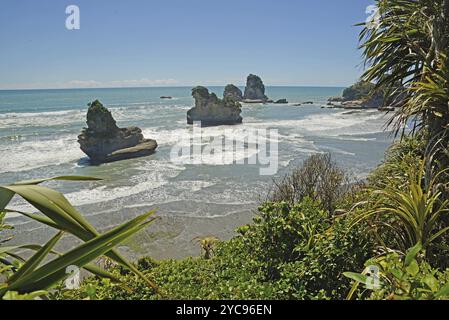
(166,86)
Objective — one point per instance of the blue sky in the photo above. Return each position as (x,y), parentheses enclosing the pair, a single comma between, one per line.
(179,42)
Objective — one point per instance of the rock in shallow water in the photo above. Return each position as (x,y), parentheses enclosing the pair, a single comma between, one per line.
(212,111)
(282,101)
(255,89)
(103,141)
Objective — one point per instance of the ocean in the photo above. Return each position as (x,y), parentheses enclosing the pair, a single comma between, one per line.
(38,138)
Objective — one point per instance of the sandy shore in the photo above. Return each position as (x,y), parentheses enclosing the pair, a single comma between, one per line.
(172,237)
(168,237)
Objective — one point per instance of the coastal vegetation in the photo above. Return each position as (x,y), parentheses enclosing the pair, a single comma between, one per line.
(320,234)
(31,277)
(360,90)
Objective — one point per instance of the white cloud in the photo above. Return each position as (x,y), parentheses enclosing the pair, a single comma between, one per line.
(90,84)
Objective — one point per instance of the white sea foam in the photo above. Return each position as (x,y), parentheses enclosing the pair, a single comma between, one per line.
(156,174)
(40,119)
(34,153)
(336,123)
(74,116)
(153,175)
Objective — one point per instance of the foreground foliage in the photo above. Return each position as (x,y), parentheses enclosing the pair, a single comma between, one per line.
(407,56)
(394,277)
(287,253)
(29,278)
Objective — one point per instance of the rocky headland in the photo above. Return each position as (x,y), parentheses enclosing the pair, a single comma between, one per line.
(212,111)
(103,141)
(361,95)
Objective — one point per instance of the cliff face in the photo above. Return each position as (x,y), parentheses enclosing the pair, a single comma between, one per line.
(103,141)
(255,89)
(211,110)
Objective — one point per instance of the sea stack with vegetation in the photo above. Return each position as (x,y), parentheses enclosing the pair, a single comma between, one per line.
(103,141)
(362,94)
(233,92)
(212,111)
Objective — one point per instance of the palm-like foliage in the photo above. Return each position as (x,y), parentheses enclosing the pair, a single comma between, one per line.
(407,56)
(33,274)
(207,245)
(413,213)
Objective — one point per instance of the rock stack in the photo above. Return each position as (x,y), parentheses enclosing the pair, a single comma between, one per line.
(233,92)
(255,90)
(212,111)
(103,141)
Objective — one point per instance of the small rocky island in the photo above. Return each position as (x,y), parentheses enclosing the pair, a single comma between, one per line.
(281,101)
(103,141)
(358,96)
(212,111)
(255,90)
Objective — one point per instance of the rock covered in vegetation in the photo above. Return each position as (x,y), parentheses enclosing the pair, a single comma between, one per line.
(358,91)
(212,111)
(103,141)
(255,89)
(233,92)
(360,95)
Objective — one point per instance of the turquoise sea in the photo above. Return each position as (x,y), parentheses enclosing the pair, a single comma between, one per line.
(38,138)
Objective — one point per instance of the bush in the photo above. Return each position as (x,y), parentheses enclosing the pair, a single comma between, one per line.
(317,273)
(319,178)
(278,230)
(228,275)
(304,251)
(287,253)
(395,277)
(402,156)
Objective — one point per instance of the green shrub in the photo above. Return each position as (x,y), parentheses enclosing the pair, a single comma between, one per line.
(304,251)
(395,277)
(279,229)
(317,274)
(319,178)
(412,214)
(402,156)
(287,253)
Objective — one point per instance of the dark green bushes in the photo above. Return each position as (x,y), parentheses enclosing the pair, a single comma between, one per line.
(319,178)
(360,90)
(287,253)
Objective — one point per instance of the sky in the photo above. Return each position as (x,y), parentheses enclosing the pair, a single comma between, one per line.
(130,43)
